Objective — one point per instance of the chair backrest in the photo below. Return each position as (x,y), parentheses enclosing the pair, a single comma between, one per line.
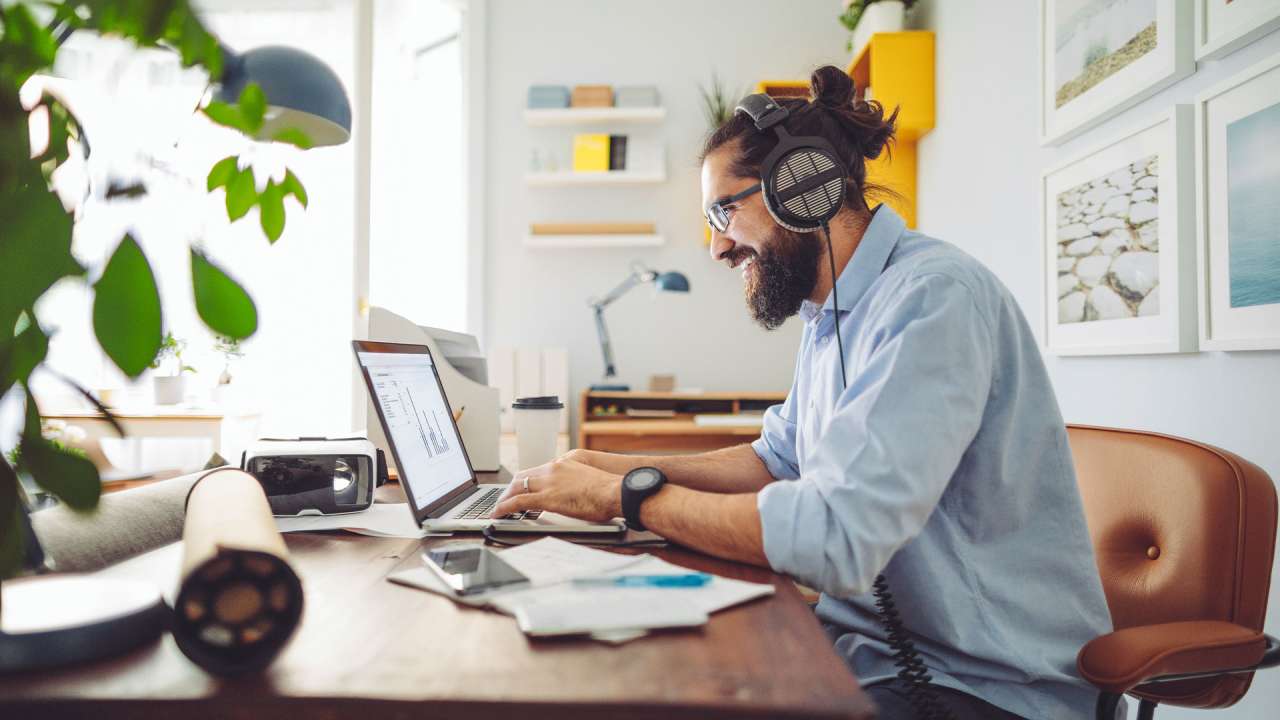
(1182,531)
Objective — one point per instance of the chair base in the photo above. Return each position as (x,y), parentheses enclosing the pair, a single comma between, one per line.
(1108,703)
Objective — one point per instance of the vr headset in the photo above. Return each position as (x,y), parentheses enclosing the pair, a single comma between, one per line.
(316,476)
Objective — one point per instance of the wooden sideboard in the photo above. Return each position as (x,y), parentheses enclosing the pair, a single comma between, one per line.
(605,425)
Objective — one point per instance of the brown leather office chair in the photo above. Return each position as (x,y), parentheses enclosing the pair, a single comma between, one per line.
(1184,535)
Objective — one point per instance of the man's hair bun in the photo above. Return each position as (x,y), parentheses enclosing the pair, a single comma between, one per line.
(830,86)
(858,131)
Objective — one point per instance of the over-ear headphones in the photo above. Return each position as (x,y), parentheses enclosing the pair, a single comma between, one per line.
(803,178)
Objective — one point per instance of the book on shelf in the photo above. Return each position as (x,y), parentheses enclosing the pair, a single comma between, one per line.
(592,228)
(591,152)
(650,412)
(617,152)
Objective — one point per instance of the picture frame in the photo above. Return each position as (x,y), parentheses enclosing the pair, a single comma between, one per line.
(1224,26)
(1117,236)
(1093,66)
(1237,237)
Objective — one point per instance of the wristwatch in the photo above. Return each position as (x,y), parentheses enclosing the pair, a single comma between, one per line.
(637,486)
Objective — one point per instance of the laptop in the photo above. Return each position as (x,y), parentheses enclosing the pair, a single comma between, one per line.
(435,471)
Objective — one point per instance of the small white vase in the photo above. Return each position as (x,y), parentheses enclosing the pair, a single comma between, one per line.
(170,389)
(882,16)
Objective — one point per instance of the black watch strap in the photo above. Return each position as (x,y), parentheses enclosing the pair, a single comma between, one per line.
(637,486)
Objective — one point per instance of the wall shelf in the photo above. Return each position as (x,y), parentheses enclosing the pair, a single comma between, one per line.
(609,177)
(592,116)
(592,241)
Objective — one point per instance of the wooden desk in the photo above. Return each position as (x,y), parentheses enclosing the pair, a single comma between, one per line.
(370,649)
(675,434)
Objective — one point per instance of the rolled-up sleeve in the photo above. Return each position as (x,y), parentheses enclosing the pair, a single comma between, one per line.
(890,446)
(776,445)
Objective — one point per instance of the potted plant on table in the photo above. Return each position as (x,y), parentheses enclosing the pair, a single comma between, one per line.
(171,388)
(865,18)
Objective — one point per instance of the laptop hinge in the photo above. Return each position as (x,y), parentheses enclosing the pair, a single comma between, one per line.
(448,505)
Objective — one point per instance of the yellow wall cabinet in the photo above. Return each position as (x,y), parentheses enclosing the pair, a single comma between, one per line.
(896,69)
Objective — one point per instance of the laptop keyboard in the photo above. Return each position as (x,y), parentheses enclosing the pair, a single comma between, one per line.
(483,505)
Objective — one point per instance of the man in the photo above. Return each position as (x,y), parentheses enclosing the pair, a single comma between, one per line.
(939,460)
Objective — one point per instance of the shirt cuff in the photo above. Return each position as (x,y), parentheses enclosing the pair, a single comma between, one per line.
(774,464)
(781,505)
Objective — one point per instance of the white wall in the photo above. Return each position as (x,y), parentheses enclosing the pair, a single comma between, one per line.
(979,174)
(538,297)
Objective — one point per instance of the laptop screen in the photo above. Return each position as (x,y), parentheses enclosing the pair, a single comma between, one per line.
(427,448)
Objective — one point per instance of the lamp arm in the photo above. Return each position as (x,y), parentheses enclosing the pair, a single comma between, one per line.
(634,279)
(606,349)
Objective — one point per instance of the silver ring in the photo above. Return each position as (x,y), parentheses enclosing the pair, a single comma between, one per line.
(526,484)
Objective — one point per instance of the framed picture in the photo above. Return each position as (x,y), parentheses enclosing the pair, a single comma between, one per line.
(1224,26)
(1238,210)
(1117,234)
(1099,57)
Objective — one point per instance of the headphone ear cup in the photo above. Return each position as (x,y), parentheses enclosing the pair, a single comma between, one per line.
(804,184)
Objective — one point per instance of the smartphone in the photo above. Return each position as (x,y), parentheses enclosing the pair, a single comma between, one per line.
(470,569)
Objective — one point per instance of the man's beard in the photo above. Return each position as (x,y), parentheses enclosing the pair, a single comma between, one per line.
(782,276)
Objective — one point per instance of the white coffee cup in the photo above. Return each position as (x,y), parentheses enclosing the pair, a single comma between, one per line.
(537,422)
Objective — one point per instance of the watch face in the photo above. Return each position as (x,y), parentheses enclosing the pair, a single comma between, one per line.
(642,479)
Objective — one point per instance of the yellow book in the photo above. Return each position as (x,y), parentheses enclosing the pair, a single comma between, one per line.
(591,153)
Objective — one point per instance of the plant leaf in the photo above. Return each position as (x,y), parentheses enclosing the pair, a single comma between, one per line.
(12,541)
(241,194)
(225,115)
(20,355)
(222,172)
(295,137)
(69,476)
(222,304)
(271,210)
(35,250)
(293,186)
(126,309)
(253,107)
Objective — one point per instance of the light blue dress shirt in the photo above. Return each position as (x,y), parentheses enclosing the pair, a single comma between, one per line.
(944,464)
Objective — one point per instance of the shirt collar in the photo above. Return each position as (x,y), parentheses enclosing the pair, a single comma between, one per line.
(868,261)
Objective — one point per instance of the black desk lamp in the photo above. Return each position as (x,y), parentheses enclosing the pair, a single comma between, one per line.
(667,281)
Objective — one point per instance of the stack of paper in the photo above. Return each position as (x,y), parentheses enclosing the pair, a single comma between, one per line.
(551,604)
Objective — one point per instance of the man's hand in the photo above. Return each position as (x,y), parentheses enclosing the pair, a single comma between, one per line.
(567,487)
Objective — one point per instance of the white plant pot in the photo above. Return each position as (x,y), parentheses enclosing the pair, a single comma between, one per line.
(883,16)
(170,389)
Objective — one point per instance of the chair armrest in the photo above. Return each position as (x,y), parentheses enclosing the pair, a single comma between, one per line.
(1118,661)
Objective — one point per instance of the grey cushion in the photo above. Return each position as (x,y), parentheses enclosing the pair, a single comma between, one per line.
(126,524)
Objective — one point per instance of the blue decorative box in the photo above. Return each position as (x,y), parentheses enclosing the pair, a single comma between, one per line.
(548,96)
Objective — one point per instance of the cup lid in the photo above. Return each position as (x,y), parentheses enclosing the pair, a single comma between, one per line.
(542,402)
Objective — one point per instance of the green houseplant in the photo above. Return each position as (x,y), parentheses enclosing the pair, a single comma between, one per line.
(36,230)
(884,14)
(170,388)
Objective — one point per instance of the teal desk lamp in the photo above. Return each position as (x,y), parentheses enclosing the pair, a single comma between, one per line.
(302,92)
(640,274)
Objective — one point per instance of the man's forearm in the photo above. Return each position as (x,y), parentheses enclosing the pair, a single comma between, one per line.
(735,469)
(726,526)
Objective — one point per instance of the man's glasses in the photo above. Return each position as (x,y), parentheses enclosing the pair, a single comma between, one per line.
(718,211)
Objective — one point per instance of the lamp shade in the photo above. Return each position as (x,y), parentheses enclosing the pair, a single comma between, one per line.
(302,92)
(672,282)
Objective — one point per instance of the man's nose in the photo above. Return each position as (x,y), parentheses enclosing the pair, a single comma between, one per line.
(720,244)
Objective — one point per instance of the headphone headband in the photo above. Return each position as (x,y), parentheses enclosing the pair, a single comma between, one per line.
(763,110)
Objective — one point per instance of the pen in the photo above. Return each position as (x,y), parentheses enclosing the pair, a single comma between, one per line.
(687,580)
